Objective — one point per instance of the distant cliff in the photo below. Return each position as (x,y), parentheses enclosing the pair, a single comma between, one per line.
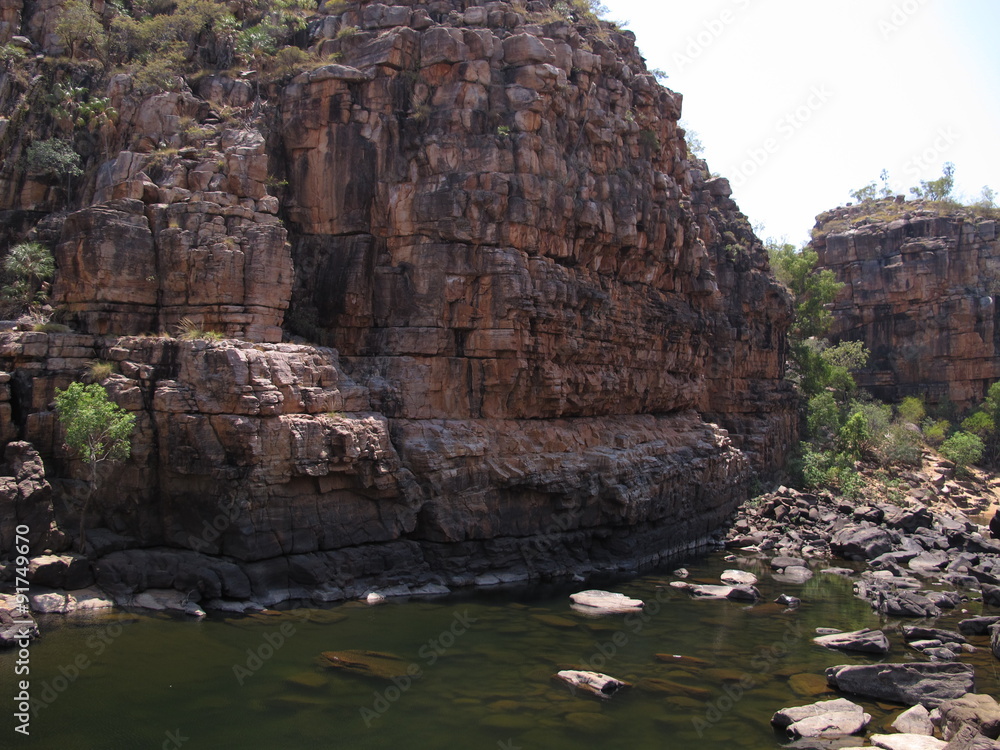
(921,287)
(521,317)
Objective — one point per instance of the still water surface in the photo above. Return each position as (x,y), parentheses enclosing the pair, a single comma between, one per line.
(480,672)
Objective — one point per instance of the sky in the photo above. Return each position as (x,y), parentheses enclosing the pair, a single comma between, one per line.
(798,102)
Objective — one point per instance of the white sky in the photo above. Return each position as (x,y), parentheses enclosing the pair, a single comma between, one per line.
(798,102)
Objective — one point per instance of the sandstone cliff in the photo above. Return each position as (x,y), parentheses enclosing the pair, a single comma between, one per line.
(523,317)
(920,290)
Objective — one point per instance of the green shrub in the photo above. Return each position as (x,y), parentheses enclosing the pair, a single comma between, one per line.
(964,449)
(980,424)
(823,416)
(911,410)
(901,446)
(855,437)
(935,431)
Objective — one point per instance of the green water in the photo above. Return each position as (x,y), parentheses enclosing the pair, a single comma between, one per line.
(480,666)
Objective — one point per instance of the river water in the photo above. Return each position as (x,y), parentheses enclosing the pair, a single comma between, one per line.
(476,672)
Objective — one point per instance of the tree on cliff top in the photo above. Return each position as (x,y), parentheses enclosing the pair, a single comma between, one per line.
(98,431)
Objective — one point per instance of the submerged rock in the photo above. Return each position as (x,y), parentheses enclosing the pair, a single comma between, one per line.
(377,664)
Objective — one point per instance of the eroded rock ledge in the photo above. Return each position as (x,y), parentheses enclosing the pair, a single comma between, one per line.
(267,463)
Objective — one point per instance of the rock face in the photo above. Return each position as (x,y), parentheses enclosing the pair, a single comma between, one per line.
(550,341)
(921,292)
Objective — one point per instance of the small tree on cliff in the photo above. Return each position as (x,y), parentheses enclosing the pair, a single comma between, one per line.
(98,431)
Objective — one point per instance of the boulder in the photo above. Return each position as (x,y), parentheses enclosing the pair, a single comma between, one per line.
(864,640)
(914,720)
(926,683)
(865,543)
(977,625)
(69,571)
(15,626)
(975,709)
(785,717)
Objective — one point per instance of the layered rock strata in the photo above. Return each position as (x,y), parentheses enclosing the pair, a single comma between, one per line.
(270,461)
(533,336)
(920,290)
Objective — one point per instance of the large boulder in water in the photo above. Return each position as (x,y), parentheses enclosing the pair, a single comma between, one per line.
(927,683)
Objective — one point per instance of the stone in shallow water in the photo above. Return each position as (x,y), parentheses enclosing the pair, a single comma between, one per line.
(906,742)
(864,640)
(593,683)
(785,717)
(605,601)
(918,682)
(915,720)
(738,576)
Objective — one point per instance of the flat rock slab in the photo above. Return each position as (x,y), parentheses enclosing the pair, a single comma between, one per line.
(739,592)
(605,601)
(864,640)
(926,683)
(906,742)
(917,633)
(835,724)
(595,683)
(785,717)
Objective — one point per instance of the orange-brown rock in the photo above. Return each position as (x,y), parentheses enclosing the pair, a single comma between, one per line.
(554,341)
(921,291)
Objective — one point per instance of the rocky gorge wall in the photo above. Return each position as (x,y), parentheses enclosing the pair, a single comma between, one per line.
(921,291)
(531,336)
